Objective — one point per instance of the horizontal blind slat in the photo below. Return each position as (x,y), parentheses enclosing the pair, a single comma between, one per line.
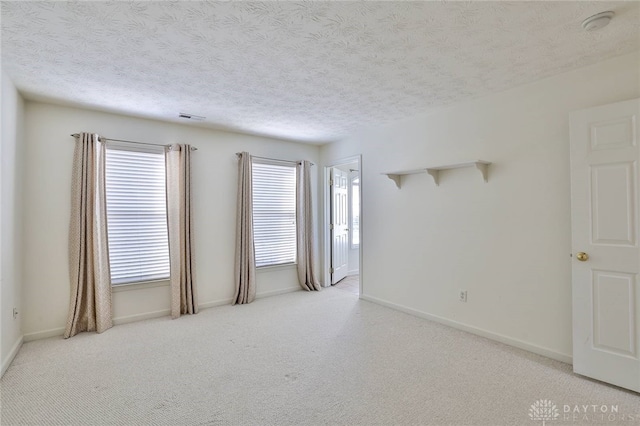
(136,216)
(274,213)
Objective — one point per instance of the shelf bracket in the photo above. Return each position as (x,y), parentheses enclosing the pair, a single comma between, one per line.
(435,174)
(483,167)
(396,178)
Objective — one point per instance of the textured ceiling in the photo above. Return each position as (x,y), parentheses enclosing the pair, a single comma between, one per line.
(309,71)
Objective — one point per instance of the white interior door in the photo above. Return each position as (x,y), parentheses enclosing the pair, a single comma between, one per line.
(606,257)
(339,225)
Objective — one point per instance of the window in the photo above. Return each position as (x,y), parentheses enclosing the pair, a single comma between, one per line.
(136,215)
(355,212)
(274,213)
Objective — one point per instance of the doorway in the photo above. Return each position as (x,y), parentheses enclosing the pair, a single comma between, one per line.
(341,225)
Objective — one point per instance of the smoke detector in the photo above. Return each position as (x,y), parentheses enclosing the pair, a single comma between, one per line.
(597,21)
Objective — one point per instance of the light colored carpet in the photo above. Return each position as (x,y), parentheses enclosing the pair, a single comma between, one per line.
(350,284)
(296,359)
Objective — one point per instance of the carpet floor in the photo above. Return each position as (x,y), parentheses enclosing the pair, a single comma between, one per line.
(350,284)
(301,358)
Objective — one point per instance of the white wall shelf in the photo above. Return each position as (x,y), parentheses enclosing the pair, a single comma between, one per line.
(434,172)
(397,176)
(482,166)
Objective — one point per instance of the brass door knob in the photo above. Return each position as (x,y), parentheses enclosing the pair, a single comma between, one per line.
(582,256)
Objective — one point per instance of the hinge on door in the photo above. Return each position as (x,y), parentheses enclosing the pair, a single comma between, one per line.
(331,226)
(330,182)
(332,270)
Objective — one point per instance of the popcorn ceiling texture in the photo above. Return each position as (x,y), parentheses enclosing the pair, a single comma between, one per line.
(310,71)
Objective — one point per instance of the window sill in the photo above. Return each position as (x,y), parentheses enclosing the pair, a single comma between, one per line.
(139,286)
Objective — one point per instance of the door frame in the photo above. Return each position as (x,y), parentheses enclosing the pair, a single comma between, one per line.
(326,219)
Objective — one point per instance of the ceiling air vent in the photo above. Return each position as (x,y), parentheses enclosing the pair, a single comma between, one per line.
(191,116)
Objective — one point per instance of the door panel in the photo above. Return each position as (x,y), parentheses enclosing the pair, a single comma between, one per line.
(339,225)
(613,216)
(613,305)
(604,220)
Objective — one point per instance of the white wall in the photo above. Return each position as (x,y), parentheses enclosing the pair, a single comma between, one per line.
(49,151)
(10,220)
(507,242)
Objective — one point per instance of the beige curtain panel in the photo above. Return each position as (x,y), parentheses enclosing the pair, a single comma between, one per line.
(184,297)
(90,302)
(304,228)
(245,261)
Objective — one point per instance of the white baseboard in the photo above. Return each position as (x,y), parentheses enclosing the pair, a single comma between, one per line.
(141,317)
(54,332)
(44,334)
(14,351)
(155,314)
(353,272)
(261,295)
(474,330)
(277,292)
(214,303)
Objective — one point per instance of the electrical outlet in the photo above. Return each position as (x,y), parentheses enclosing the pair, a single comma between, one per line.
(462,296)
(15,313)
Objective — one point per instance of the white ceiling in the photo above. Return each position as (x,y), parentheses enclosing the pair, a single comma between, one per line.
(309,71)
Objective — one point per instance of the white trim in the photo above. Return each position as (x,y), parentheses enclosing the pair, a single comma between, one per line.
(352,177)
(214,303)
(37,335)
(277,292)
(12,354)
(55,332)
(549,353)
(141,317)
(326,234)
(262,295)
(353,272)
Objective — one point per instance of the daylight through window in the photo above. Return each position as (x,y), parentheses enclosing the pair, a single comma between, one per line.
(274,213)
(136,216)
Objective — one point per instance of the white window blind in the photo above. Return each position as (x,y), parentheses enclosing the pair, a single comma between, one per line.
(136,216)
(274,213)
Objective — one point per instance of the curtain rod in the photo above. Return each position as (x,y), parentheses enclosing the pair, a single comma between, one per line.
(273,159)
(75,135)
